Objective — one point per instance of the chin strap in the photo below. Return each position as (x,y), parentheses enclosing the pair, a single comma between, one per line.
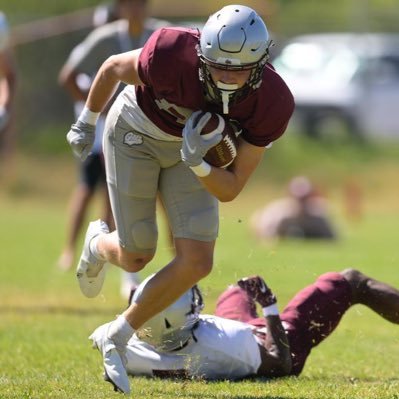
(226,90)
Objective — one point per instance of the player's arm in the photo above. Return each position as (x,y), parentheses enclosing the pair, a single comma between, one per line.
(275,352)
(117,68)
(226,184)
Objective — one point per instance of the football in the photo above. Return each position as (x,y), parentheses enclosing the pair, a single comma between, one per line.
(223,153)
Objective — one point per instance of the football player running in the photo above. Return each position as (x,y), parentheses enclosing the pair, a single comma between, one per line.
(236,343)
(150,146)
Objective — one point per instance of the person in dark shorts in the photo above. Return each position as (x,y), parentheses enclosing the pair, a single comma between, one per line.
(128,28)
(237,343)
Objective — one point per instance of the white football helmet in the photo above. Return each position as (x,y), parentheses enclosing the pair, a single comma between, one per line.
(234,38)
(172,328)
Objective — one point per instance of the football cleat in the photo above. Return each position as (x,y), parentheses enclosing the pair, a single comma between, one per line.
(91,271)
(114,359)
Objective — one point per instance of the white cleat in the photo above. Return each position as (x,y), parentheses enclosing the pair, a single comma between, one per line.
(114,360)
(91,271)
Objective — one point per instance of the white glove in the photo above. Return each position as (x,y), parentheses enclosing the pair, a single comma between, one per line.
(81,138)
(194,145)
(4,117)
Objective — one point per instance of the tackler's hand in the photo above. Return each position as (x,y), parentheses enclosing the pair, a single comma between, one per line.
(257,289)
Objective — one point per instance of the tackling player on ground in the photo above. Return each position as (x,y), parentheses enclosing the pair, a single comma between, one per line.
(236,343)
(151,146)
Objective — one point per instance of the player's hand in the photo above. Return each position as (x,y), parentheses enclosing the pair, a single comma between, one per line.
(194,146)
(256,288)
(81,139)
(4,117)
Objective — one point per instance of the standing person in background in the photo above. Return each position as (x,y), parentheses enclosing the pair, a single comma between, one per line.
(153,144)
(7,96)
(105,13)
(129,32)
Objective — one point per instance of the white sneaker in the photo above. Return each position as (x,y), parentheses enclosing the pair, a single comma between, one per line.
(91,271)
(114,360)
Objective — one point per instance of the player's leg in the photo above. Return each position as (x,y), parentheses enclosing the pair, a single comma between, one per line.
(193,219)
(314,313)
(108,217)
(132,178)
(193,261)
(193,216)
(378,296)
(129,281)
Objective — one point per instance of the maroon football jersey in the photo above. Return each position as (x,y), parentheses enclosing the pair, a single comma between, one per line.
(169,68)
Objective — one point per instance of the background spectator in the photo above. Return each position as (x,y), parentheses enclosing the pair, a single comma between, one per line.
(130,31)
(302,214)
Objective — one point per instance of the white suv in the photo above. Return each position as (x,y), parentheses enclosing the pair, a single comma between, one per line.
(345,79)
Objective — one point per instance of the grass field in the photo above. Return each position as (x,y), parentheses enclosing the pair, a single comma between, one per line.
(45,321)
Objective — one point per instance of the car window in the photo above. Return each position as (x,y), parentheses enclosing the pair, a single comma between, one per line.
(382,70)
(313,60)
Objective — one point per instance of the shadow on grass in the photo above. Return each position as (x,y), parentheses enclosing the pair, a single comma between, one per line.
(351,380)
(229,396)
(224,391)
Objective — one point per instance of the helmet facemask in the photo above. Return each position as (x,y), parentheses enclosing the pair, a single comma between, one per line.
(235,39)
(228,94)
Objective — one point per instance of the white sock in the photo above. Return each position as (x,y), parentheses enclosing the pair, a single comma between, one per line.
(120,331)
(93,248)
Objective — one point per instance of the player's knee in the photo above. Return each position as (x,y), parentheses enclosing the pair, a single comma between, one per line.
(134,262)
(203,269)
(199,266)
(357,281)
(352,275)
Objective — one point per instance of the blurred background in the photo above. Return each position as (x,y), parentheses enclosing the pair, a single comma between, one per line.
(43,34)
(340,59)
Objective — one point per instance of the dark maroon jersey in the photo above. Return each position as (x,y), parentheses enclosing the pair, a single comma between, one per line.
(169,69)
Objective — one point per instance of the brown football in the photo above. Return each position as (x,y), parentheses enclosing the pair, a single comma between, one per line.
(223,153)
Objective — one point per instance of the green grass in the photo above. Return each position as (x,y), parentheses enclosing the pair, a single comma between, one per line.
(45,321)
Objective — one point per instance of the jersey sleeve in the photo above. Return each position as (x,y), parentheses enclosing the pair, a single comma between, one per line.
(272,111)
(160,62)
